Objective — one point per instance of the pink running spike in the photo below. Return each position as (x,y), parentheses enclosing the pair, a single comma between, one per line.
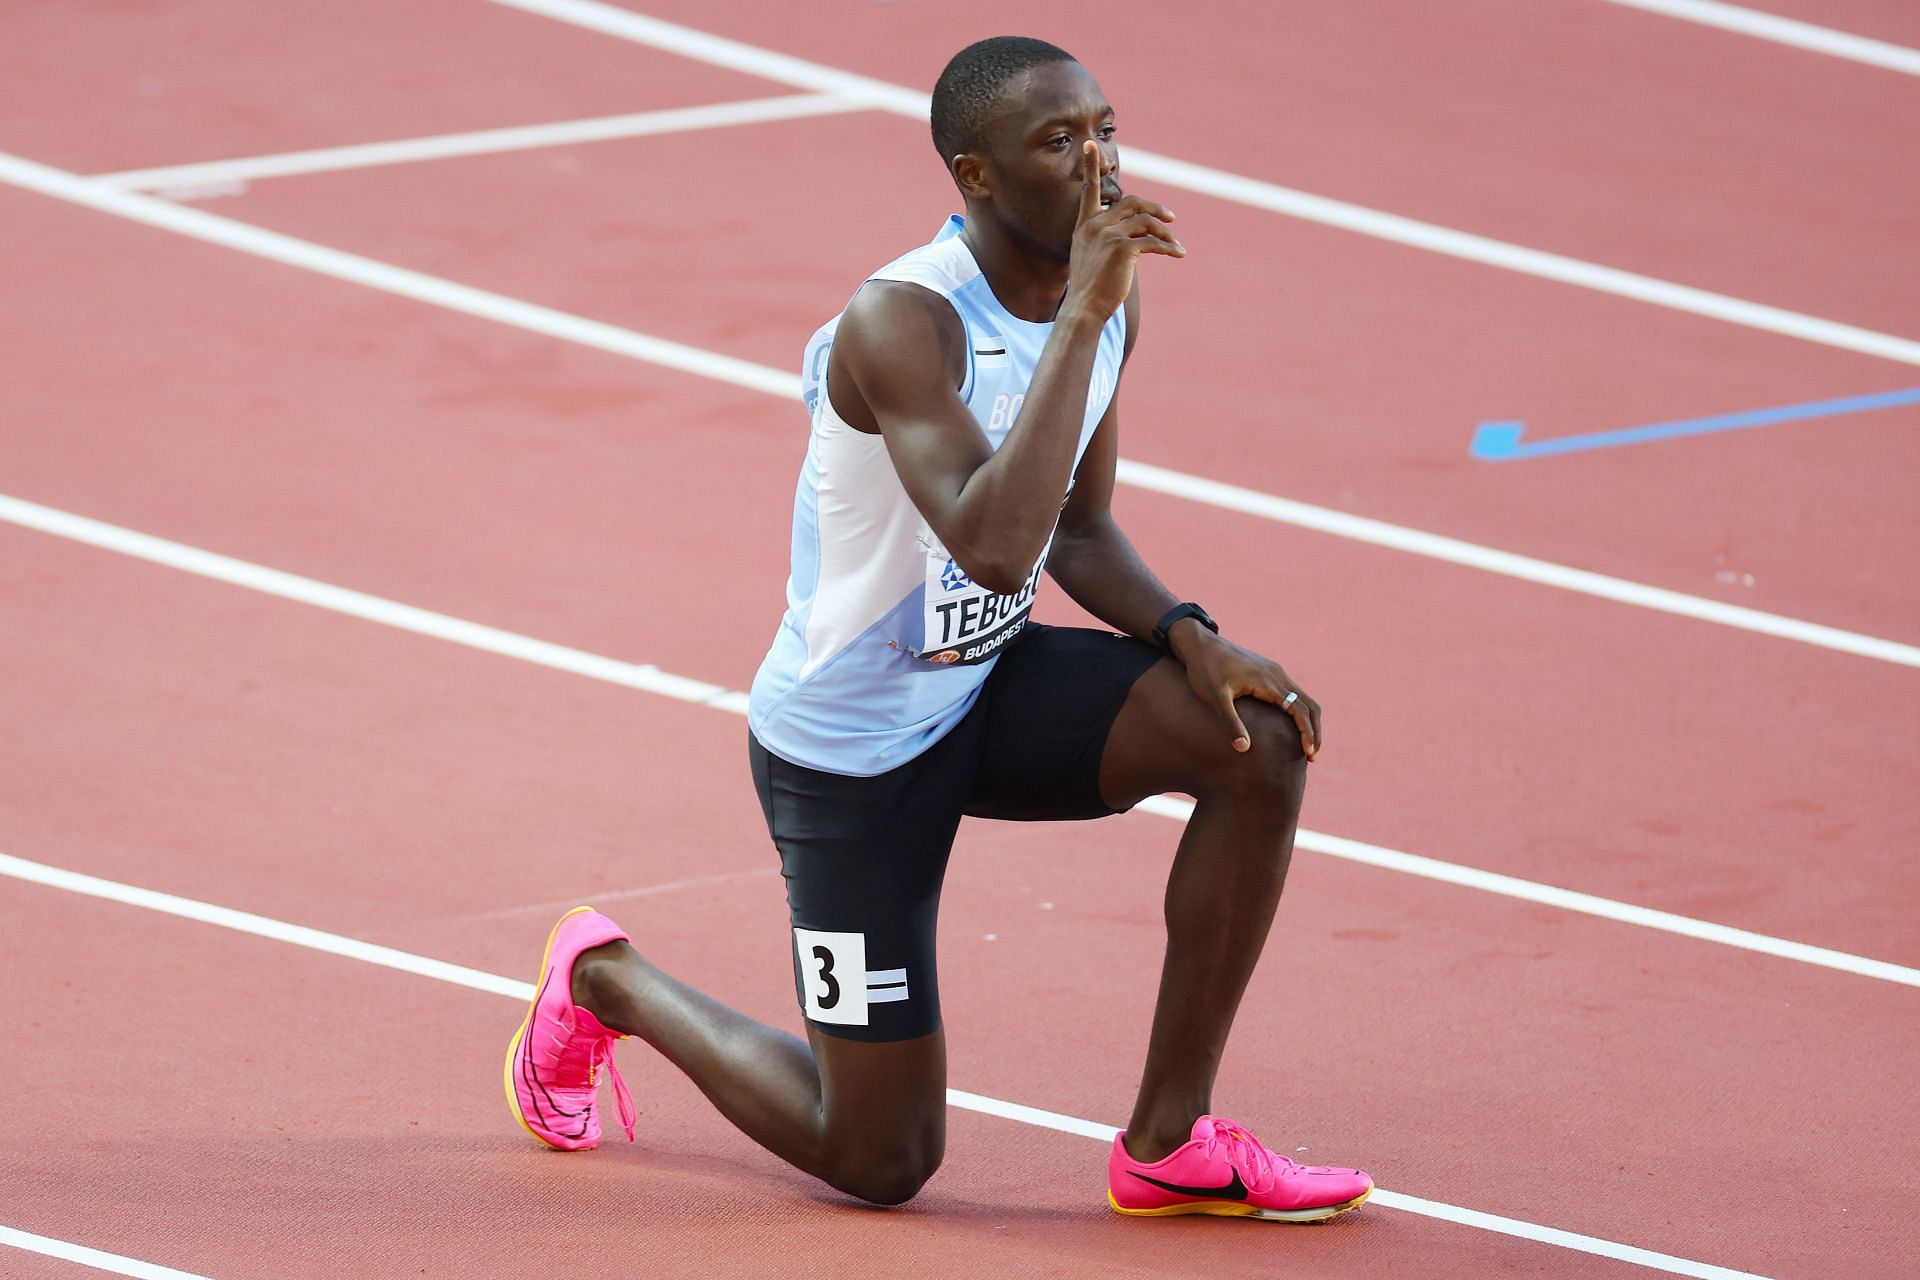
(554,1059)
(1223,1169)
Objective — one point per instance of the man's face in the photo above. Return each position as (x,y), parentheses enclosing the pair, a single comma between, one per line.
(1035,144)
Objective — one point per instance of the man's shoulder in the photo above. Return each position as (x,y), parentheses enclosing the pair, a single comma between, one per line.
(897,319)
(913,294)
(941,265)
(944,266)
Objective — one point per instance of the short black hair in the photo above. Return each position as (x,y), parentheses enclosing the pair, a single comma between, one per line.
(968,90)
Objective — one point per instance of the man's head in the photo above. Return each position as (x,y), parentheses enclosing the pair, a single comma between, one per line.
(1010,116)
(968,92)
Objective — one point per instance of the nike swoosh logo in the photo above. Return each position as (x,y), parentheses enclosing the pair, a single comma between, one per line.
(1235,1190)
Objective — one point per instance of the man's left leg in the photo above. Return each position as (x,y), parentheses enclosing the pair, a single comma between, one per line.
(1224,885)
(1083,724)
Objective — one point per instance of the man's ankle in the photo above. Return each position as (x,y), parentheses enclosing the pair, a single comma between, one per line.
(590,969)
(1149,1144)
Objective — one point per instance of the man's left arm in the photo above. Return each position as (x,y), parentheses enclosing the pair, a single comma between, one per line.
(1097,566)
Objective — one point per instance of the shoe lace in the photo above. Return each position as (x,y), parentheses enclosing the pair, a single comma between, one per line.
(1257,1165)
(622,1097)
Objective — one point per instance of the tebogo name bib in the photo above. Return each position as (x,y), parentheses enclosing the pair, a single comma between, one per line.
(965,622)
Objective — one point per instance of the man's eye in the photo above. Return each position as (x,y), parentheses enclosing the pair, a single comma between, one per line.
(1106,131)
(1060,141)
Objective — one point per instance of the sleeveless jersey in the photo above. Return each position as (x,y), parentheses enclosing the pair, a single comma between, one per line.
(886,641)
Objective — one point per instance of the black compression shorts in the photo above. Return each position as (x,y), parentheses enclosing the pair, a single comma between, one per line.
(864,857)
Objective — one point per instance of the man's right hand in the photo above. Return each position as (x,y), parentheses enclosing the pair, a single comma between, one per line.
(1107,242)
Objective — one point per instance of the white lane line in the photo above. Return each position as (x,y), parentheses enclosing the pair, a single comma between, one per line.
(352,948)
(99,1260)
(228,233)
(1414,864)
(213,229)
(781,68)
(355,604)
(1551,1235)
(1518,258)
(1801,35)
(485,142)
(262,927)
(719,51)
(651,679)
(1472,555)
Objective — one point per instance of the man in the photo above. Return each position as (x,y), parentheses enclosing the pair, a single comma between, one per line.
(964,436)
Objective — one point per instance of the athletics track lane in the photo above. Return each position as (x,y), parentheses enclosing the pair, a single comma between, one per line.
(350,1118)
(506,479)
(1292,359)
(318,516)
(1382,434)
(1890,20)
(1578,126)
(210,742)
(112,87)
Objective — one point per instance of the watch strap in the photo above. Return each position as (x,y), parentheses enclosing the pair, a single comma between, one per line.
(1175,614)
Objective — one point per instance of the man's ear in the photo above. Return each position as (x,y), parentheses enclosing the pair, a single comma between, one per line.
(973,175)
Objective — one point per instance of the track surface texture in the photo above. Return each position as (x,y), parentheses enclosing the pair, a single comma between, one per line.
(235,1105)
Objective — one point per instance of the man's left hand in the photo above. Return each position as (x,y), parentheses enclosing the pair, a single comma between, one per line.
(1221,672)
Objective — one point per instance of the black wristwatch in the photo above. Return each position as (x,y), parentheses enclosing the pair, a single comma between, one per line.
(1173,615)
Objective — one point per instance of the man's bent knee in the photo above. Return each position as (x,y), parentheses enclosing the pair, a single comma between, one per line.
(891,1178)
(1272,770)
(885,1111)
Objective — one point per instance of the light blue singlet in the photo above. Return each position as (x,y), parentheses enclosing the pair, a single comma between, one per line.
(886,641)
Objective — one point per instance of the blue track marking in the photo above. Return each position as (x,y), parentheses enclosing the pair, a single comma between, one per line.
(1500,441)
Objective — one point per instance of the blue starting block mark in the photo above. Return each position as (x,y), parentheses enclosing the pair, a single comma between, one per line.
(1500,441)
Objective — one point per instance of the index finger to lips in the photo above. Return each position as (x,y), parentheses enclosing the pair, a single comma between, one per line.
(1089,179)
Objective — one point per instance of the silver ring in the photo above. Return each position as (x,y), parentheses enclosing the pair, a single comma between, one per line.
(1293,696)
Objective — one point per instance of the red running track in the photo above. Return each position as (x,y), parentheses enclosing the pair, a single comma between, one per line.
(533,487)
(206,741)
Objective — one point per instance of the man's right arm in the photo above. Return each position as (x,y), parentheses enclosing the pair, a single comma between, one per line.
(902,348)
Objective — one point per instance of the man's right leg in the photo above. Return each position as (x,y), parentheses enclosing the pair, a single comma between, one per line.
(867,1118)
(861,1103)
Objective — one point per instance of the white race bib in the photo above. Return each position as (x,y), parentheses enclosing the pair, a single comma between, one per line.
(833,975)
(966,623)
(836,984)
